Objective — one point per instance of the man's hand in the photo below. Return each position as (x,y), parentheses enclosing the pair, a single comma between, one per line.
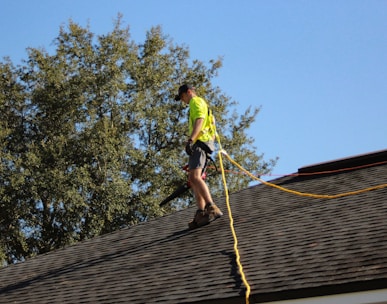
(189,147)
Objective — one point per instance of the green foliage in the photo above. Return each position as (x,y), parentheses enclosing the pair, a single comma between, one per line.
(92,139)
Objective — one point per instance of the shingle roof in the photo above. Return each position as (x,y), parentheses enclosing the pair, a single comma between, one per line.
(287,243)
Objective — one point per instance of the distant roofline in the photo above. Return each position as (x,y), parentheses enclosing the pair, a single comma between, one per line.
(348,162)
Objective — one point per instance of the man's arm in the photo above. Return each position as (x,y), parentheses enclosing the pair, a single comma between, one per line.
(197,127)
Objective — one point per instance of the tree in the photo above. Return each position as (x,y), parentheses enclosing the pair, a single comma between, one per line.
(92,139)
(13,196)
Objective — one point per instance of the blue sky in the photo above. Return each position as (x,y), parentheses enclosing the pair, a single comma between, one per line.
(318,68)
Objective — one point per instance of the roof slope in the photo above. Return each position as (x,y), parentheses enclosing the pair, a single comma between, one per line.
(287,243)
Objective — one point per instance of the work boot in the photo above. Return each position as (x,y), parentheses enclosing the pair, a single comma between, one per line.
(201,218)
(213,211)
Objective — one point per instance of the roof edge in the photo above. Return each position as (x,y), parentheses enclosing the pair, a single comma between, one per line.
(321,291)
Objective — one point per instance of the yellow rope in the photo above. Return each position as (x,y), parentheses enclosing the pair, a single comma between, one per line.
(238,258)
(303,193)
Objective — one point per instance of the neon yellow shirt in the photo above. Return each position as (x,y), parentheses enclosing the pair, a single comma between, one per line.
(198,108)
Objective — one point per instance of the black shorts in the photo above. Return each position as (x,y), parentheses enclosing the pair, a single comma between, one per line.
(199,156)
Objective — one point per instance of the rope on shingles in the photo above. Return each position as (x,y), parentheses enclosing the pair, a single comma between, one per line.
(236,250)
(238,258)
(326,196)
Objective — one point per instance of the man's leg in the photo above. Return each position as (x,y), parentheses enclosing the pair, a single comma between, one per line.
(203,196)
(200,188)
(207,210)
(201,193)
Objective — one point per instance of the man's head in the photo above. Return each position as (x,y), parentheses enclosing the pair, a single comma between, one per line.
(184,89)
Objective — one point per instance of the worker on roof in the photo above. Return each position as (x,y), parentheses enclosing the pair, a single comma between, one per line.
(200,143)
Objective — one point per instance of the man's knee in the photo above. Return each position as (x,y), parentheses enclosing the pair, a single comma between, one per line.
(195,175)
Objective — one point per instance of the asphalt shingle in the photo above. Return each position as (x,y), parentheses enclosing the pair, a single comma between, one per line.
(287,243)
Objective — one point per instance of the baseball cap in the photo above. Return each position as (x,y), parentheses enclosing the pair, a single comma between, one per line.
(184,88)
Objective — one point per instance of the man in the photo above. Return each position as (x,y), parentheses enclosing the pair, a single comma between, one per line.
(199,143)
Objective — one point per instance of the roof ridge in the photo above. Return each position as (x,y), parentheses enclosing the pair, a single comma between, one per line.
(347,163)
